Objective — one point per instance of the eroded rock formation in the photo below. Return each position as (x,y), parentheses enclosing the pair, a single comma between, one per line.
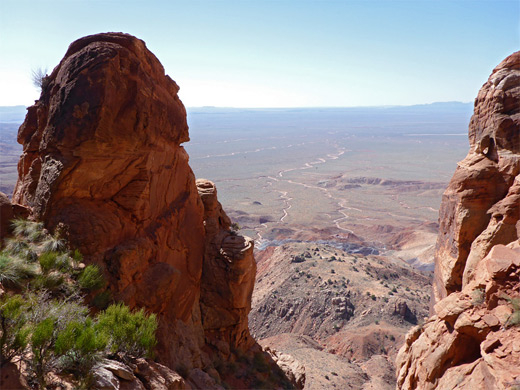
(102,155)
(228,276)
(472,340)
(480,207)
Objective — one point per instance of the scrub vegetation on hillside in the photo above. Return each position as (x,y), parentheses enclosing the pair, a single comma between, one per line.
(45,322)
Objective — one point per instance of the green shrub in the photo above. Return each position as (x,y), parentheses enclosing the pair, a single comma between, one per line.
(48,318)
(58,332)
(91,278)
(48,261)
(42,341)
(130,333)
(50,281)
(77,257)
(13,326)
(80,347)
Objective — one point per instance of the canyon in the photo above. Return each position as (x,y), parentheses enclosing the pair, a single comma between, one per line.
(333,290)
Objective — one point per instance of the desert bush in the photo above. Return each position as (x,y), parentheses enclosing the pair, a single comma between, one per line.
(80,347)
(13,325)
(91,278)
(47,319)
(49,281)
(30,230)
(514,318)
(39,77)
(16,246)
(14,271)
(48,261)
(298,259)
(478,296)
(77,257)
(63,262)
(53,244)
(132,334)
(42,341)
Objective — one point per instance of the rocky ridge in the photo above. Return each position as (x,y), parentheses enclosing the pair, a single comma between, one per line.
(472,339)
(102,159)
(339,314)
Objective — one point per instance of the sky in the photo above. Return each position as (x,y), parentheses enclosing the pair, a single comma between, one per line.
(283,53)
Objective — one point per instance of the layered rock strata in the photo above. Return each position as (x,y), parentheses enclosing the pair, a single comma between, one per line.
(102,155)
(472,339)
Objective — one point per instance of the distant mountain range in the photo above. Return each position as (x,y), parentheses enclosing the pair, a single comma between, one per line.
(16,114)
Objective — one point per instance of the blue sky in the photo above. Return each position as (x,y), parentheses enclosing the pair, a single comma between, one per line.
(285,53)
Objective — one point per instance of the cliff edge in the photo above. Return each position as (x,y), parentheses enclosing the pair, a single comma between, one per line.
(472,339)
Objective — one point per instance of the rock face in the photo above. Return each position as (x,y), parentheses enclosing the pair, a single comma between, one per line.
(228,276)
(480,208)
(477,276)
(102,154)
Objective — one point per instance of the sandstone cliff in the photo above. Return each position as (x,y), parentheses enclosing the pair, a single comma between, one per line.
(102,155)
(472,340)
